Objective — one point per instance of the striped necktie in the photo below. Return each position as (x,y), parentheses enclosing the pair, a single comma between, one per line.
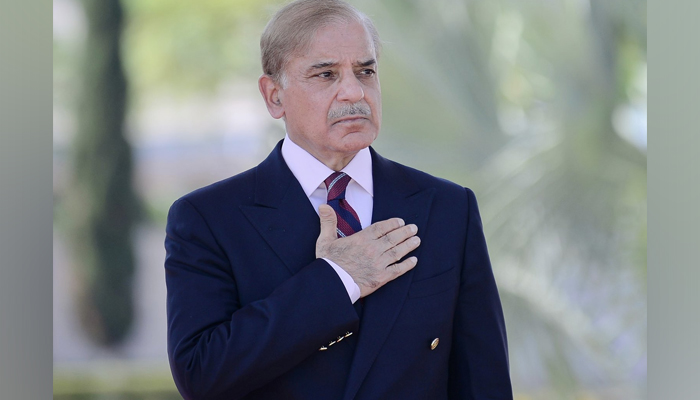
(348,221)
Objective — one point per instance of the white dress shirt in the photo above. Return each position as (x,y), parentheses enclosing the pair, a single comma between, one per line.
(311,173)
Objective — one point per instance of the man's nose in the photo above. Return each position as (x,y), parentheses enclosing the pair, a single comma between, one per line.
(350,89)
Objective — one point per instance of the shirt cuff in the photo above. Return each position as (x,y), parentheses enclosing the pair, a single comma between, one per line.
(350,285)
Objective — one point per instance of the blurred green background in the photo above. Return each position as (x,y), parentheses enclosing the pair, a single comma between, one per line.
(538,105)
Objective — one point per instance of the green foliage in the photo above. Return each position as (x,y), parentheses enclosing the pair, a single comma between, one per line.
(116,381)
(186,46)
(517,100)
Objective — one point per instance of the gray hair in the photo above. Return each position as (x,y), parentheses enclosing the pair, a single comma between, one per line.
(292,28)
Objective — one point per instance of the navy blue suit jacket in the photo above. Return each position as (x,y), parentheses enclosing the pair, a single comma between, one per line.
(249,305)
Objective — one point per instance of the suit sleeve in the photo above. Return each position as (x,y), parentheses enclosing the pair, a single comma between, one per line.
(479,359)
(218,349)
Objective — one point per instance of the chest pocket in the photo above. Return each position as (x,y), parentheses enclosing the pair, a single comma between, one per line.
(436,284)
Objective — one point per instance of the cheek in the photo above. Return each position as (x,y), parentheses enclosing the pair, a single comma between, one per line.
(306,110)
(375,97)
(318,109)
(378,113)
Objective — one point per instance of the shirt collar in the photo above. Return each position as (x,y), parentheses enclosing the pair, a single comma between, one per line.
(311,173)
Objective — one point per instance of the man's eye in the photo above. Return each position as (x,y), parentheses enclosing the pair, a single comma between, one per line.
(367,72)
(327,74)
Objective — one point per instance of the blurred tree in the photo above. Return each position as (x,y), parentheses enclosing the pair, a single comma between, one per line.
(102,204)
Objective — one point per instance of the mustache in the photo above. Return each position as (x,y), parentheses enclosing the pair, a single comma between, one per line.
(359,108)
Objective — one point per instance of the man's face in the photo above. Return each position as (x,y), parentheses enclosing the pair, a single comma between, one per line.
(332,99)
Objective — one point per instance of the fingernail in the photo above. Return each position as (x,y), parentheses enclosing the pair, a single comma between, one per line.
(415,240)
(414,228)
(401,222)
(324,211)
(414,259)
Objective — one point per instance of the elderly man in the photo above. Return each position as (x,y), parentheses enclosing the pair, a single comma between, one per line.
(328,271)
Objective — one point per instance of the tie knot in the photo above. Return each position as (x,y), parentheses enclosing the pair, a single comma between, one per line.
(336,184)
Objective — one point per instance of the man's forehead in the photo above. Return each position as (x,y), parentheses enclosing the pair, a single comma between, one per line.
(337,39)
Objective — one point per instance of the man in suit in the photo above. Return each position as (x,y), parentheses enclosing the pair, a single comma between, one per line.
(328,271)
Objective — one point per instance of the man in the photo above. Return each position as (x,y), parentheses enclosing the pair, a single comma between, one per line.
(386,292)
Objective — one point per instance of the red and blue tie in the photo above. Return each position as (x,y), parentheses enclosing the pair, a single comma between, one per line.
(348,221)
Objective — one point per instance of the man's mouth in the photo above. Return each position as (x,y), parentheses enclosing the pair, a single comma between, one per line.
(350,118)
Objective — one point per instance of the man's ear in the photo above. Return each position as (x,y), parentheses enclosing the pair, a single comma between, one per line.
(271,93)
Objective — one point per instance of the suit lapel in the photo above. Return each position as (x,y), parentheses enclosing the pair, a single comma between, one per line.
(282,213)
(395,195)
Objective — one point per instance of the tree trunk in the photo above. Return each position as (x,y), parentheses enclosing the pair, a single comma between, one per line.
(103,205)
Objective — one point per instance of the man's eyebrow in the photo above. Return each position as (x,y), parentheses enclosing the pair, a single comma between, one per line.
(323,64)
(329,64)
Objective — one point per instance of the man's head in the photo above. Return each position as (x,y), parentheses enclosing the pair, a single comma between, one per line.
(319,61)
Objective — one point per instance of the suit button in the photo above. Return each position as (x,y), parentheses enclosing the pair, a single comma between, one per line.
(434,343)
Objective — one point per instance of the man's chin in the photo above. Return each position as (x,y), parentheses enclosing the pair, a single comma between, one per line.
(358,140)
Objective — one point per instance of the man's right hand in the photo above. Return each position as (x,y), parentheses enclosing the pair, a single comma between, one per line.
(370,256)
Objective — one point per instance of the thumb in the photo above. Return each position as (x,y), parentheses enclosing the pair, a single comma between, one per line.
(329,223)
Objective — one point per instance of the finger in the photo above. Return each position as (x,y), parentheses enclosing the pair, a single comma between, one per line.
(329,223)
(397,252)
(398,269)
(399,235)
(381,228)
